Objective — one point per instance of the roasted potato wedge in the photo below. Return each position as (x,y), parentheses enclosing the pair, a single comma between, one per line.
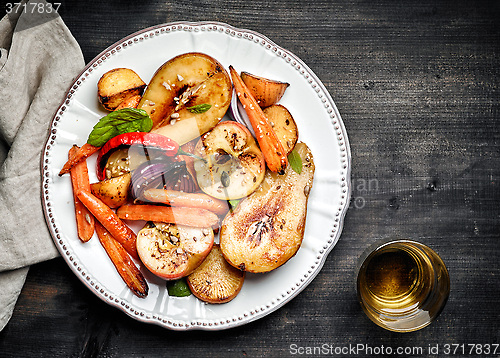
(117,85)
(114,191)
(178,88)
(283,125)
(265,91)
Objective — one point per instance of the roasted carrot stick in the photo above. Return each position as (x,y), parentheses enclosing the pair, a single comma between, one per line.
(191,200)
(80,181)
(274,154)
(129,102)
(107,217)
(194,217)
(123,263)
(82,153)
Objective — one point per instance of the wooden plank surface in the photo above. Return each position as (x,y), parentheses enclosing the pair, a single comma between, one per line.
(417,84)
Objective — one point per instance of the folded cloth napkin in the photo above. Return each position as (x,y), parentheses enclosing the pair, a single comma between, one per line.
(39,59)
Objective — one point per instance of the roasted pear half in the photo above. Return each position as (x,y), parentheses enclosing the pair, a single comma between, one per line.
(266,228)
(216,281)
(187,96)
(173,251)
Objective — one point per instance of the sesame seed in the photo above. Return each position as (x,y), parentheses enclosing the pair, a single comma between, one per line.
(180,78)
(175,115)
(166,85)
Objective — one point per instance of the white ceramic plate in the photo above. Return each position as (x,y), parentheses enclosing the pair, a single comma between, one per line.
(320,126)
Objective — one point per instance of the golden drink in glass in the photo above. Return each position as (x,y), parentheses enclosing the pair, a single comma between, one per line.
(402,285)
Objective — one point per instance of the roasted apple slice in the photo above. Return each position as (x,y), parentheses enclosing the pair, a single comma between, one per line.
(216,281)
(118,85)
(266,228)
(187,96)
(266,91)
(233,164)
(173,251)
(283,125)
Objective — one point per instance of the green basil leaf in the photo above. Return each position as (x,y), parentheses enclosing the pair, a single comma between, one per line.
(234,203)
(118,122)
(178,288)
(295,161)
(199,108)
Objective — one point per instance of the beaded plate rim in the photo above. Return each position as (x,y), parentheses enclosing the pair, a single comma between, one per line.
(339,215)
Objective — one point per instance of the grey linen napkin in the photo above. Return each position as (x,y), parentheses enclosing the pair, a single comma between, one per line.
(39,59)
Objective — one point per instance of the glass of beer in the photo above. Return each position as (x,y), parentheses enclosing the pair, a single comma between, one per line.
(402,285)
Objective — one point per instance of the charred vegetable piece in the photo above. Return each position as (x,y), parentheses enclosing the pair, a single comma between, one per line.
(123,263)
(114,191)
(173,251)
(192,200)
(266,228)
(284,126)
(216,281)
(187,96)
(147,140)
(117,85)
(76,157)
(234,165)
(154,173)
(194,217)
(80,181)
(271,147)
(265,91)
(107,217)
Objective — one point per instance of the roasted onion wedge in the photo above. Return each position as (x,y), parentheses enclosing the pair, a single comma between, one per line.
(216,281)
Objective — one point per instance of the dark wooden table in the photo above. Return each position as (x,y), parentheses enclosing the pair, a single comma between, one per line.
(417,84)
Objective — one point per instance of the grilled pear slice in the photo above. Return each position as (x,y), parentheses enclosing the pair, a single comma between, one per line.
(266,228)
(181,90)
(215,281)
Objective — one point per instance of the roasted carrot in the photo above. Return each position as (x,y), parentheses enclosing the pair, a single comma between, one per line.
(274,154)
(107,217)
(80,181)
(191,200)
(123,263)
(194,217)
(82,153)
(130,102)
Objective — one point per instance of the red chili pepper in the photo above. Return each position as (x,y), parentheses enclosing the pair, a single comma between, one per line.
(148,140)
